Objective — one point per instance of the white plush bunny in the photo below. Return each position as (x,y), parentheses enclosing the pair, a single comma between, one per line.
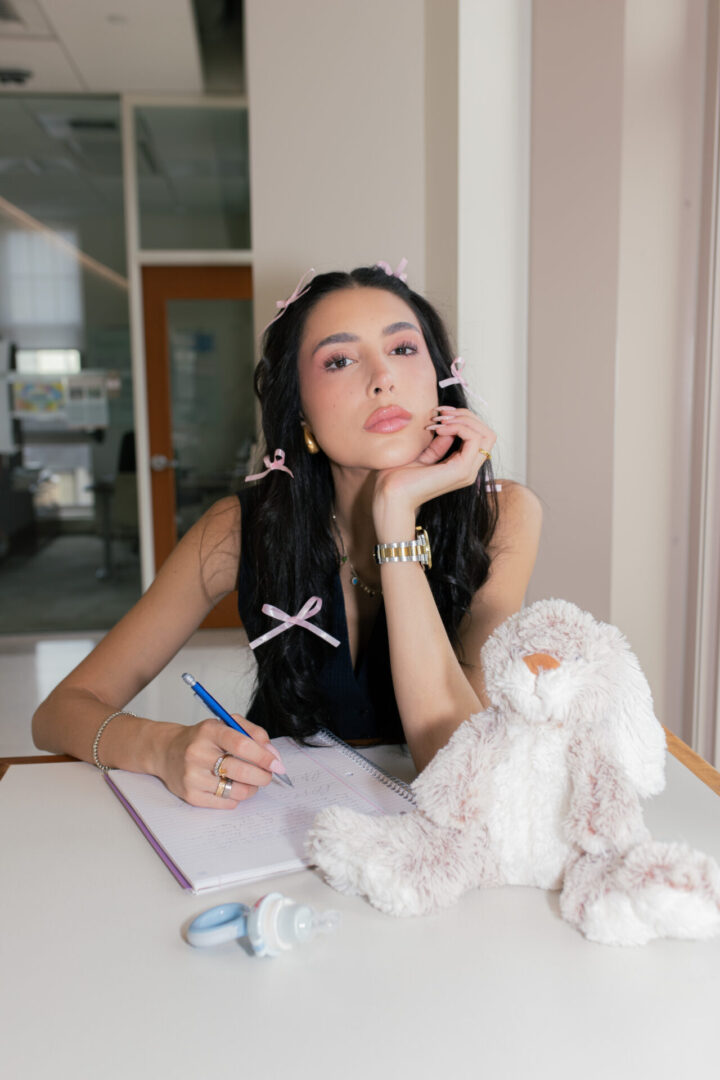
(543,788)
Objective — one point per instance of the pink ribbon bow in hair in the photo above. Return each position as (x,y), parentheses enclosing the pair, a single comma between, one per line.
(278,463)
(398,273)
(300,289)
(307,611)
(457,377)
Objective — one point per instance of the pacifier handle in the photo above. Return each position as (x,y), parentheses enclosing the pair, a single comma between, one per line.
(219,924)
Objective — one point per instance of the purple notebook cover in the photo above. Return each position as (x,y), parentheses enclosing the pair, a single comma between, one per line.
(174,870)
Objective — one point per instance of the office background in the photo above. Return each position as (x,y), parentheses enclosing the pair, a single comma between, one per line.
(549,170)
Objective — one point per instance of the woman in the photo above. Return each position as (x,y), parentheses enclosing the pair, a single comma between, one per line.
(350,385)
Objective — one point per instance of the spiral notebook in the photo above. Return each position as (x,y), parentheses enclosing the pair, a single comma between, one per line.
(264,836)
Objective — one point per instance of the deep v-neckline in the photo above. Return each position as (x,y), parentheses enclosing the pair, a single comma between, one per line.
(362,656)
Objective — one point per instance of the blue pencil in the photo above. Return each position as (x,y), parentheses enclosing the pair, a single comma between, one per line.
(222,714)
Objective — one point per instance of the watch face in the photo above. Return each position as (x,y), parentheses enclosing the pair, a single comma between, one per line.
(424,540)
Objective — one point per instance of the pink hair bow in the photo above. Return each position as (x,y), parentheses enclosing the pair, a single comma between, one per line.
(307,611)
(398,272)
(300,289)
(278,463)
(457,377)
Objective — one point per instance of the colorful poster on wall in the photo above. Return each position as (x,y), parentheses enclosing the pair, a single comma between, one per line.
(39,397)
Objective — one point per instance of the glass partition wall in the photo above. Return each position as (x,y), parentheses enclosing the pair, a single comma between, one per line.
(76,229)
(68,547)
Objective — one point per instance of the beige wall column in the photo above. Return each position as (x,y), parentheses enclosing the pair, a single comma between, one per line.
(702,628)
(441,157)
(657,294)
(337,138)
(616,155)
(577,81)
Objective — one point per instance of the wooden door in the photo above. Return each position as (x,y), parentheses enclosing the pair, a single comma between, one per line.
(199,348)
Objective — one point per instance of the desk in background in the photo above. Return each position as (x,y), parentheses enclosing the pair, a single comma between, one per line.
(96,979)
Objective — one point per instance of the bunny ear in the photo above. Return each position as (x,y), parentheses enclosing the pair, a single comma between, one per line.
(604,812)
(634,737)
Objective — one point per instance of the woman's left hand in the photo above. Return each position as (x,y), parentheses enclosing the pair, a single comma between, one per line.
(409,486)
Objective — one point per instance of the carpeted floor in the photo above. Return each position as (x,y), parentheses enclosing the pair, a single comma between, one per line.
(56,588)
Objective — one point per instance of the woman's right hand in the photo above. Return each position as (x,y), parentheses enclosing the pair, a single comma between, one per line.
(187,755)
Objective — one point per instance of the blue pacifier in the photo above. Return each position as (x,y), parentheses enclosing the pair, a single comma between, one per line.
(272,925)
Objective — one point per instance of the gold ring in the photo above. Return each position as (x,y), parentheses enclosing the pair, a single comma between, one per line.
(487,453)
(221,771)
(220,789)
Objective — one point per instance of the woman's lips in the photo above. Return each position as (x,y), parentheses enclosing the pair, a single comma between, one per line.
(384,421)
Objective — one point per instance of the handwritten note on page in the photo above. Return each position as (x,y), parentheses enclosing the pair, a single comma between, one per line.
(264,835)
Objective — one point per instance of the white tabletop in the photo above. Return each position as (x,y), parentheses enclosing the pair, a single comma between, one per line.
(96,979)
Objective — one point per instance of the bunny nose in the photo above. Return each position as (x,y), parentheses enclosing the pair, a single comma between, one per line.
(538,661)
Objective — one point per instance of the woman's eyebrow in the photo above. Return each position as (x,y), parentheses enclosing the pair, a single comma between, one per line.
(344,335)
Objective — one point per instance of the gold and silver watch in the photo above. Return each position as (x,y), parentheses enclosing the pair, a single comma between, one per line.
(417,550)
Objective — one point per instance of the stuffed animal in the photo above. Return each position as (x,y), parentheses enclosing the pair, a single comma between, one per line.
(542,788)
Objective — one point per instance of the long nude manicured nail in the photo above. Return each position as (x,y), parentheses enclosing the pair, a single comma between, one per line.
(278,767)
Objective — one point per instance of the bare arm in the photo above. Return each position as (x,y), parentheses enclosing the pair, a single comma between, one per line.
(200,571)
(434,691)
(513,552)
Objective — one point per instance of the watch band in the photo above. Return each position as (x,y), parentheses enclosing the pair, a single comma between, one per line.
(417,550)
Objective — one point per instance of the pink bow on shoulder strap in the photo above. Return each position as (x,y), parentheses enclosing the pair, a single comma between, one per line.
(306,612)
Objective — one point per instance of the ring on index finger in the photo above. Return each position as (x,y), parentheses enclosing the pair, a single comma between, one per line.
(487,453)
(218,766)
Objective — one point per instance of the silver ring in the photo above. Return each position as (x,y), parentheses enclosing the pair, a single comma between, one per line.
(218,763)
(225,793)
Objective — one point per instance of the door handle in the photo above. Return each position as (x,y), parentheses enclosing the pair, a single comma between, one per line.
(159,462)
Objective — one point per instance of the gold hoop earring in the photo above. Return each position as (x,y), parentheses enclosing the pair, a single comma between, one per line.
(312,446)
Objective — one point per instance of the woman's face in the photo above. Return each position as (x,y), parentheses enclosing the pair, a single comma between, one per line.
(368,386)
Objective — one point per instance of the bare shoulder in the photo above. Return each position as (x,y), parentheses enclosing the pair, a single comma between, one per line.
(216,541)
(519,519)
(513,550)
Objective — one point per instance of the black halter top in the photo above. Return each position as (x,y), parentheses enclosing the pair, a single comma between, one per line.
(361,701)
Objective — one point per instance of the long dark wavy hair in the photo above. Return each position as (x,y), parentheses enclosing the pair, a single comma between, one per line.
(292,546)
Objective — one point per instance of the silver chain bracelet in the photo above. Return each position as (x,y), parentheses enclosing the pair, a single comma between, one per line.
(96,743)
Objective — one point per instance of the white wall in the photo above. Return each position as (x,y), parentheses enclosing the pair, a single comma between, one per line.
(493,216)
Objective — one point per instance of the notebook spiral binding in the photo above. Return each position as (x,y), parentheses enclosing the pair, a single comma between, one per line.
(386,778)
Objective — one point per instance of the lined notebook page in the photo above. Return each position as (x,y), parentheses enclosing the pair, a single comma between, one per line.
(264,835)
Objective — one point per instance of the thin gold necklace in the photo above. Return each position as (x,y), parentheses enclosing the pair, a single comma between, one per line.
(354,576)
